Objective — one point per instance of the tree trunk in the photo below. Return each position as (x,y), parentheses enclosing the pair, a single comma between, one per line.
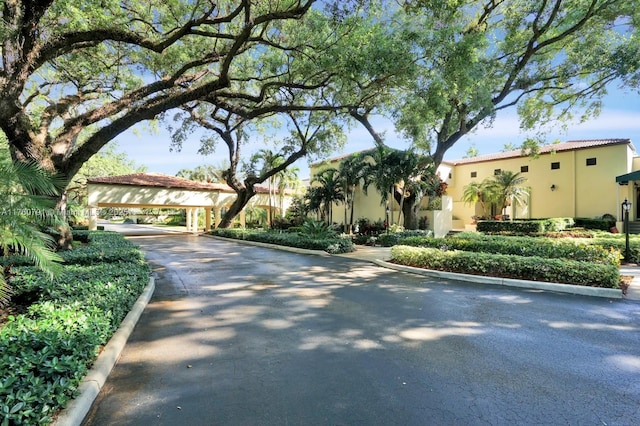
(243,197)
(65,239)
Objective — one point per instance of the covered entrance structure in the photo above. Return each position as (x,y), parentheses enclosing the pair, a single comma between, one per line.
(156,190)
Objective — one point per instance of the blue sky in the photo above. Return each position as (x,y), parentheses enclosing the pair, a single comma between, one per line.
(620,118)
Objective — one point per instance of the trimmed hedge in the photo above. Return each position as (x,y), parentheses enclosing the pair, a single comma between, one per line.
(618,243)
(330,245)
(45,353)
(524,246)
(509,266)
(395,238)
(537,226)
(599,224)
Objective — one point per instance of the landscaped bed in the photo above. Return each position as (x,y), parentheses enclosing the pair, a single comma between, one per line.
(54,330)
(571,261)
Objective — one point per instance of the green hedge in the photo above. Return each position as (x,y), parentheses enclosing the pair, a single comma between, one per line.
(105,246)
(330,245)
(45,353)
(395,238)
(537,226)
(509,266)
(524,246)
(600,224)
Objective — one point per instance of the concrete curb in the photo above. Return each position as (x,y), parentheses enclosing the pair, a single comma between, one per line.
(77,409)
(610,293)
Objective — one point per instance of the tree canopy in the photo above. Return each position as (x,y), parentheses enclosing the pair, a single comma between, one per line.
(551,60)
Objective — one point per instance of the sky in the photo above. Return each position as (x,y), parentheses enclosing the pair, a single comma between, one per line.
(619,118)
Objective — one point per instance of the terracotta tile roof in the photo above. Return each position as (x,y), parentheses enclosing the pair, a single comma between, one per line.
(546,149)
(159,180)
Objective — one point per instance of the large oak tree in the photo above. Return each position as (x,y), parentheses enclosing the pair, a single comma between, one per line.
(76,75)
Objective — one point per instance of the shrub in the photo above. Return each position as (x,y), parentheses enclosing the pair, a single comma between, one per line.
(515,227)
(523,246)
(509,266)
(600,224)
(330,244)
(392,239)
(45,353)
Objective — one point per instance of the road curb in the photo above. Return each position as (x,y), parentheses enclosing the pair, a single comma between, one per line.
(75,412)
(610,293)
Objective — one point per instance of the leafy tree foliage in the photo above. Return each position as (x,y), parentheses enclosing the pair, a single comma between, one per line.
(73,77)
(549,59)
(109,161)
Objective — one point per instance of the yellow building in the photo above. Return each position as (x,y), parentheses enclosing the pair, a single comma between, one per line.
(585,178)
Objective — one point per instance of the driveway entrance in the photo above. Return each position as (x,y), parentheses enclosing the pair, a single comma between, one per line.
(241,335)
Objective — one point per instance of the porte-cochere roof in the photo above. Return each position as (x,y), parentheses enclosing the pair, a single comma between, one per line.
(159,180)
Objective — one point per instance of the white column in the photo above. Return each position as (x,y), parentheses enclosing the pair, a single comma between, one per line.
(218,218)
(93,218)
(194,221)
(188,210)
(207,218)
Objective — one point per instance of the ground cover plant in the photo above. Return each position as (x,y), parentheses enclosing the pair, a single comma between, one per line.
(56,328)
(312,235)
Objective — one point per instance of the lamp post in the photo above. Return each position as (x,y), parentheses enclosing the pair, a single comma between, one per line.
(626,206)
(386,210)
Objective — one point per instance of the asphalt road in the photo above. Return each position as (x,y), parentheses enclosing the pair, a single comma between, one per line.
(241,335)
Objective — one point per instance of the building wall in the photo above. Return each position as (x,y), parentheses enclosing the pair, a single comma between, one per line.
(573,189)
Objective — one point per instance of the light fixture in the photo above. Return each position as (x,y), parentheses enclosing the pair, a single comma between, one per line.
(553,187)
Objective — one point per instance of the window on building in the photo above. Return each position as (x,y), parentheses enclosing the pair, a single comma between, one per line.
(524,169)
(449,175)
(474,174)
(555,165)
(591,161)
(497,172)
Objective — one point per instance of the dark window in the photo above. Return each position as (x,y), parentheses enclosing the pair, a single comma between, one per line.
(591,161)
(449,175)
(524,169)
(555,165)
(474,174)
(497,172)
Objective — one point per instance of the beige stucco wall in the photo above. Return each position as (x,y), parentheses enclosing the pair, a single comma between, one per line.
(580,190)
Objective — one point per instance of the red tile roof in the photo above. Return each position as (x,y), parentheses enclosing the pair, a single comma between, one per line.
(159,180)
(546,149)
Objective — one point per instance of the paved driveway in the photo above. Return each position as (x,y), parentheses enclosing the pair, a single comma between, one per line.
(241,335)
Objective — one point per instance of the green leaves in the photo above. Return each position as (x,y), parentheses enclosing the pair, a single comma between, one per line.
(45,353)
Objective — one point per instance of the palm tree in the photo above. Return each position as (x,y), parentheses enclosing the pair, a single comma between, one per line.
(23,214)
(377,170)
(287,179)
(352,173)
(502,190)
(328,191)
(478,192)
(270,160)
(507,189)
(205,173)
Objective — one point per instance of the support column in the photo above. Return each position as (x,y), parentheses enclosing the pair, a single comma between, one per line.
(194,220)
(218,217)
(207,218)
(93,218)
(243,218)
(188,214)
